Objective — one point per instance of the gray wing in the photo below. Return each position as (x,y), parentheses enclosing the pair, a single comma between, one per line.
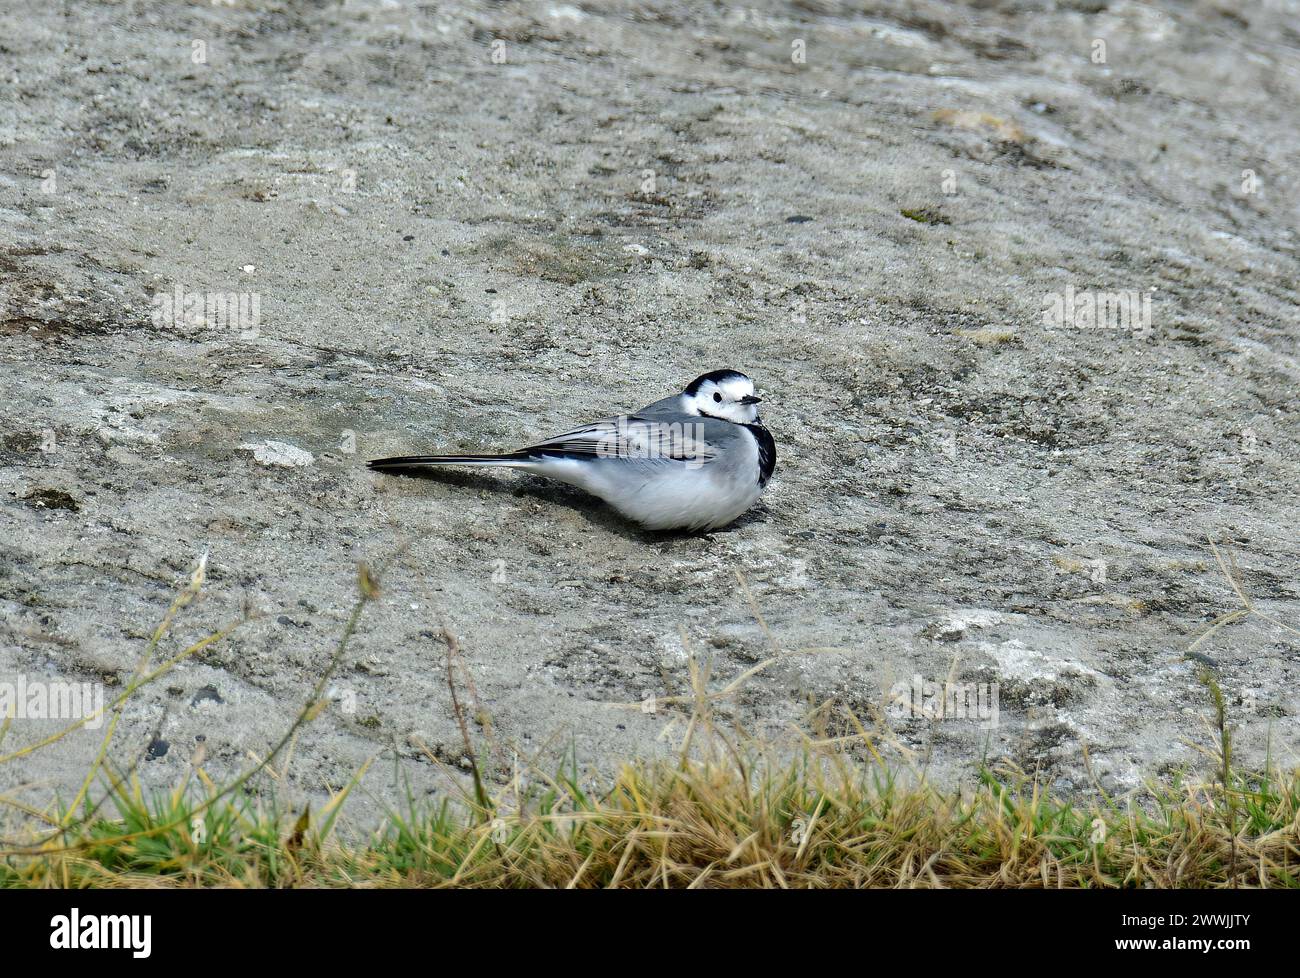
(668,405)
(676,437)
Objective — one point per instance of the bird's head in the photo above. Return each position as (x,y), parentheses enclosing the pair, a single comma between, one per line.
(726,394)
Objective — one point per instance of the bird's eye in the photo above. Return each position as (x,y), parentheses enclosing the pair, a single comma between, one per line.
(717,396)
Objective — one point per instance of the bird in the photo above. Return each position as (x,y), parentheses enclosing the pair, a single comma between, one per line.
(692,461)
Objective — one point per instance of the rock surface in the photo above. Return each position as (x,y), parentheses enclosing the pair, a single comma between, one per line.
(463,226)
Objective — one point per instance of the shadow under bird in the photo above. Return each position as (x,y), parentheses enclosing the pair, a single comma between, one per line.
(693,461)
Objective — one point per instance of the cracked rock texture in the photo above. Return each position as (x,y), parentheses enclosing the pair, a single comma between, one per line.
(465,225)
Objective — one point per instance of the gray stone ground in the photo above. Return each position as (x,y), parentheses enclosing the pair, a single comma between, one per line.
(453,253)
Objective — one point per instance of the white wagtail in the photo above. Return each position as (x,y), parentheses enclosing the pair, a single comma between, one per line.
(694,461)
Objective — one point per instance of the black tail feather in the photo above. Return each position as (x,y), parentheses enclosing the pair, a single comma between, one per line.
(417,461)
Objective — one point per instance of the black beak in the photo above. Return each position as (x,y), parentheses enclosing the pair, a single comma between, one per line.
(751,399)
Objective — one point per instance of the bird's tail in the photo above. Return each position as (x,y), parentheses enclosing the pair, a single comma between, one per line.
(400,462)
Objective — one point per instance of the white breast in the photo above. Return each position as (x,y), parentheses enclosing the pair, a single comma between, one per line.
(676,496)
(666,494)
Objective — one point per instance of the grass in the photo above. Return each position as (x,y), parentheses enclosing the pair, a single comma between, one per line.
(924,215)
(724,813)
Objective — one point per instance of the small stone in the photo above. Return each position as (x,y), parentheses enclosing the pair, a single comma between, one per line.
(280,454)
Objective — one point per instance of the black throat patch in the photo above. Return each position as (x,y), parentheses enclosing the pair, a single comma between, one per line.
(766,451)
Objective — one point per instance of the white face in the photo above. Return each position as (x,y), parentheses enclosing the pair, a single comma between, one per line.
(732,399)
